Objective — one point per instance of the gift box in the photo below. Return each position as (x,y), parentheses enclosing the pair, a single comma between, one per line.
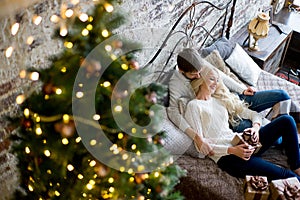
(285,189)
(256,187)
(246,138)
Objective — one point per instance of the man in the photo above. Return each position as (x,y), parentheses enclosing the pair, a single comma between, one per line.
(189,67)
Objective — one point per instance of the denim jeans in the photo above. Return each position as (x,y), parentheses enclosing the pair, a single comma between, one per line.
(284,126)
(260,101)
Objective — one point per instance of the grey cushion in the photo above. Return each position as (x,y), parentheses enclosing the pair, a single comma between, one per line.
(223,45)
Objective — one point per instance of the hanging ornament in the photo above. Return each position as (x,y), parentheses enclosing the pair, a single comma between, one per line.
(139,178)
(27,123)
(49,88)
(158,189)
(151,97)
(134,64)
(66,130)
(101,170)
(117,44)
(92,67)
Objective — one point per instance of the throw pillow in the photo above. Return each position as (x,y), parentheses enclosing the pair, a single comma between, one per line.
(216,60)
(176,141)
(243,65)
(223,45)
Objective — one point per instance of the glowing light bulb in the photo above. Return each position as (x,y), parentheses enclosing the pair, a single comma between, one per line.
(106,84)
(85,32)
(63,70)
(65,141)
(38,131)
(30,188)
(69,45)
(47,153)
(20,99)
(89,27)
(125,156)
(63,31)
(105,33)
(118,109)
(57,193)
(14,28)
(9,51)
(34,76)
(122,169)
(96,117)
(111,180)
(133,147)
(92,163)
(83,17)
(70,167)
(26,112)
(54,18)
(80,176)
(124,67)
(23,73)
(120,136)
(27,150)
(66,118)
(69,13)
(89,186)
(111,189)
(108,48)
(58,91)
(79,95)
(108,7)
(37,19)
(93,142)
(29,40)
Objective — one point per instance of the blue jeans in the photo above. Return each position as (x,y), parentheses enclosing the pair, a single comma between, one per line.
(284,126)
(260,101)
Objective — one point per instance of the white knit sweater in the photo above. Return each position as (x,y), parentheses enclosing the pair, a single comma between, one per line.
(210,118)
(182,92)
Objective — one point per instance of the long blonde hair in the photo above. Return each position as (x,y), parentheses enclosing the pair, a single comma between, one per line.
(231,101)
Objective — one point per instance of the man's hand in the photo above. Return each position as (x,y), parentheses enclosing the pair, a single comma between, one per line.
(244,151)
(203,146)
(250,91)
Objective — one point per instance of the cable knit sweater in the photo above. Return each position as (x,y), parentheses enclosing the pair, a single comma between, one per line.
(210,118)
(181,92)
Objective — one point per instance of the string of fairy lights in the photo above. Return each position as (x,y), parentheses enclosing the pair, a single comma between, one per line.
(67,12)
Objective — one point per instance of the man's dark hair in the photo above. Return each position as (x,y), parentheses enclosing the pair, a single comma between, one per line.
(188,60)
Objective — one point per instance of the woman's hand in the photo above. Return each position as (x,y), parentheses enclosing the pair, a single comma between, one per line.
(254,131)
(249,91)
(244,151)
(203,146)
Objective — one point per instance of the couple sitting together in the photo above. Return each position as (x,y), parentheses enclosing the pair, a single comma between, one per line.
(202,106)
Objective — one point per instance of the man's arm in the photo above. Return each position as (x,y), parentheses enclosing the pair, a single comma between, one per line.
(177,90)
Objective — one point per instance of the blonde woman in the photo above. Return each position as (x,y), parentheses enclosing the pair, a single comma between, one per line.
(212,111)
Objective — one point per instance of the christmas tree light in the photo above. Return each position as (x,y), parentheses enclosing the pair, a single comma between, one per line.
(55,155)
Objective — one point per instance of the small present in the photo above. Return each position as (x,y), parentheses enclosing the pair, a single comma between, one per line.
(256,187)
(285,189)
(248,138)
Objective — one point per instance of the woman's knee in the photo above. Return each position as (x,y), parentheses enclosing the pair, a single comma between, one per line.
(284,95)
(287,121)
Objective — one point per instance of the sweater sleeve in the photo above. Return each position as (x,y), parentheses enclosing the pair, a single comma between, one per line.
(231,84)
(177,91)
(193,116)
(254,116)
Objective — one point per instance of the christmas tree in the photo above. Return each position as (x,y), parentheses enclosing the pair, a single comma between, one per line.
(92,132)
